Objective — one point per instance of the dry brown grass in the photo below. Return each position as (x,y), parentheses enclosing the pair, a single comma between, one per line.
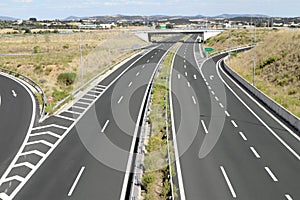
(277,69)
(59,53)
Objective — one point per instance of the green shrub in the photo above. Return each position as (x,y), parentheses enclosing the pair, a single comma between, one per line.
(66,78)
(292,91)
(148,179)
(268,61)
(36,49)
(59,95)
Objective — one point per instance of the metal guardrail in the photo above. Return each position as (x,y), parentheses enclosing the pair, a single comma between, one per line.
(278,109)
(58,104)
(32,83)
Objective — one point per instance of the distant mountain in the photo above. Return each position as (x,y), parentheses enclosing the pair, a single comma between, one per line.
(74,18)
(239,15)
(4,18)
(139,18)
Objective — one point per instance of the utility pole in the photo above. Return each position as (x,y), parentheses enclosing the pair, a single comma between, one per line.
(254,58)
(80,47)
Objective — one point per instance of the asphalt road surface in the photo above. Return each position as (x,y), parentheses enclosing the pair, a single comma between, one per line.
(229,146)
(17,115)
(89,160)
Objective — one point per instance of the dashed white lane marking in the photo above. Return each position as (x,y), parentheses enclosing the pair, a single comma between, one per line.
(143,67)
(206,83)
(217,99)
(151,56)
(271,174)
(121,98)
(188,83)
(204,127)
(204,80)
(213,93)
(194,100)
(148,61)
(130,84)
(184,66)
(184,61)
(228,182)
(178,75)
(234,124)
(209,87)
(104,127)
(76,181)
(195,76)
(227,113)
(185,73)
(137,73)
(243,136)
(255,152)
(288,197)
(14,93)
(221,105)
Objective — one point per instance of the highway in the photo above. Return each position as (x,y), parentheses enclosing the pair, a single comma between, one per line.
(86,152)
(229,146)
(17,116)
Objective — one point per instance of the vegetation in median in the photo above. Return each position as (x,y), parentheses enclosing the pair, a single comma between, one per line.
(155,180)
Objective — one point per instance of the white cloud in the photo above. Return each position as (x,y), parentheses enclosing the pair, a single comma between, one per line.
(23,1)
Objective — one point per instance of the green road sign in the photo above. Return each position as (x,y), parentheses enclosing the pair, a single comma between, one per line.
(208,50)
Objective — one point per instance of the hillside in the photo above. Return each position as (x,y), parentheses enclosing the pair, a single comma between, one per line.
(277,68)
(277,64)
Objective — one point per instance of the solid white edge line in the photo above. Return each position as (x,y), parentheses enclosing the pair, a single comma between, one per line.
(243,136)
(176,153)
(194,100)
(44,156)
(131,153)
(254,152)
(105,126)
(234,124)
(76,181)
(271,174)
(204,127)
(30,128)
(121,98)
(228,182)
(288,197)
(259,119)
(262,107)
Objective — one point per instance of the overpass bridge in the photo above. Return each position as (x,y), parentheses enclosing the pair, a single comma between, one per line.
(204,34)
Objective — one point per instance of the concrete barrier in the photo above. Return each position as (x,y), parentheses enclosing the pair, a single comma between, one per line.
(278,109)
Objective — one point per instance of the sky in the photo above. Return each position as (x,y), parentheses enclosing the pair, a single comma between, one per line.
(60,9)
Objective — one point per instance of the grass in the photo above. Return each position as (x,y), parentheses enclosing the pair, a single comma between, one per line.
(55,54)
(155,179)
(277,69)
